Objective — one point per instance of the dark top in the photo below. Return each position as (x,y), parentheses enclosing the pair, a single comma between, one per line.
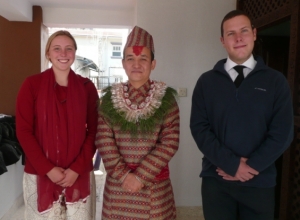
(254,121)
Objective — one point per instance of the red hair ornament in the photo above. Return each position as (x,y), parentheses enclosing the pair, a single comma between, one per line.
(137,50)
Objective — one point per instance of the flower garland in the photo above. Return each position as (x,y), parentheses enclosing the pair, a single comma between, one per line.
(132,112)
(115,107)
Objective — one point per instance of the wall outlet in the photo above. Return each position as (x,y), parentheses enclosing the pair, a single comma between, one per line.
(182,92)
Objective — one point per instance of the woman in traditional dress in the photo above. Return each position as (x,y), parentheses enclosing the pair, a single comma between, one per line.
(55,119)
(138,134)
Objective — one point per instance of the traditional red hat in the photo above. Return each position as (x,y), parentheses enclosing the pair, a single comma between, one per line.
(140,37)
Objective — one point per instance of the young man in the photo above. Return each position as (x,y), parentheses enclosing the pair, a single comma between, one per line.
(241,122)
(138,134)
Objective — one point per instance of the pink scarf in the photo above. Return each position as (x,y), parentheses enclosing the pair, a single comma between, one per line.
(58,125)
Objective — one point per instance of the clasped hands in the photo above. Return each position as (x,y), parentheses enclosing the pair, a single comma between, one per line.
(62,177)
(132,184)
(243,174)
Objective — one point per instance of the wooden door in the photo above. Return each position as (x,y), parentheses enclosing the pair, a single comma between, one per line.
(273,47)
(265,14)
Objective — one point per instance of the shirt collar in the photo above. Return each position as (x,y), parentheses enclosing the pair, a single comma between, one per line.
(250,63)
(143,89)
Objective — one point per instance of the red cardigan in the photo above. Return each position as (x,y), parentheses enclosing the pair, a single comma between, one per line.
(36,161)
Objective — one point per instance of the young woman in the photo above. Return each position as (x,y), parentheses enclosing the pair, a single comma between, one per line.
(56,119)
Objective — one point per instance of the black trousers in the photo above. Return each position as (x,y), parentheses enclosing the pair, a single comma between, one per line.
(229,201)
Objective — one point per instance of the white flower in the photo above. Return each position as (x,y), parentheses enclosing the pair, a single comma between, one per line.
(128,102)
(134,106)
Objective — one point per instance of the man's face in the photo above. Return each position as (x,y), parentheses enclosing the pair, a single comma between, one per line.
(238,38)
(138,66)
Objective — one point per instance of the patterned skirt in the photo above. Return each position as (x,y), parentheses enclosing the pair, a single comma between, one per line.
(80,210)
(155,202)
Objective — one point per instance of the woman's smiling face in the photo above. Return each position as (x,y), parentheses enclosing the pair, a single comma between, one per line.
(61,53)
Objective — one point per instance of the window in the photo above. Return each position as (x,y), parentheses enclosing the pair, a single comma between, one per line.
(116,50)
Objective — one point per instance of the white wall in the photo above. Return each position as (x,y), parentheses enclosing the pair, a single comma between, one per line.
(186,39)
(16,10)
(10,186)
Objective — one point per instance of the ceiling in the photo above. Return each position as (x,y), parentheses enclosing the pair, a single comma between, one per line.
(86,4)
(111,12)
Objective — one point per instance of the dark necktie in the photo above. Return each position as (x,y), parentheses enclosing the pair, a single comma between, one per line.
(240,77)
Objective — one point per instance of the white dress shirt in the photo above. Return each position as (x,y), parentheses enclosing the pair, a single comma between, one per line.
(249,64)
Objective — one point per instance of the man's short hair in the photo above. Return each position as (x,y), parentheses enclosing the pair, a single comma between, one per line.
(233,14)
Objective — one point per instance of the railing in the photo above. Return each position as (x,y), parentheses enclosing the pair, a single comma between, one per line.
(103,81)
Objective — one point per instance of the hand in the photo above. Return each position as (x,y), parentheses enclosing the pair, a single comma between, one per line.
(70,178)
(132,184)
(225,175)
(245,172)
(56,174)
